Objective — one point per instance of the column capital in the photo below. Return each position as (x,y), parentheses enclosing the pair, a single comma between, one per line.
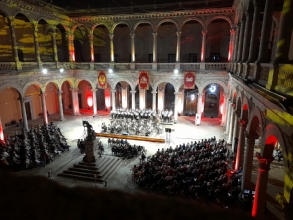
(93,90)
(22,99)
(113,90)
(154,92)
(204,32)
(59,92)
(132,35)
(155,34)
(264,163)
(243,123)
(132,91)
(178,33)
(91,36)
(176,93)
(111,36)
(199,94)
(256,3)
(238,26)
(232,31)
(74,89)
(69,36)
(225,95)
(42,95)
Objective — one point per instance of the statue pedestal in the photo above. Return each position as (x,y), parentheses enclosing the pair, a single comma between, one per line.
(89,152)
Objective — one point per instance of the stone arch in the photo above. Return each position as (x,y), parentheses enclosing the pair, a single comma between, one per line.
(96,25)
(205,83)
(119,22)
(193,19)
(77,81)
(143,22)
(251,127)
(42,18)
(219,17)
(23,13)
(54,82)
(36,83)
(10,85)
(167,20)
(78,25)
(196,83)
(70,81)
(125,80)
(234,92)
(156,84)
(4,12)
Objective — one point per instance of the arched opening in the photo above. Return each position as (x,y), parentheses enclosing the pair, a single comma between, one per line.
(217,41)
(45,42)
(191,42)
(81,44)
(33,104)
(212,100)
(169,97)
(85,94)
(66,96)
(101,43)
(122,44)
(149,98)
(52,98)
(62,47)
(10,106)
(104,98)
(143,43)
(6,54)
(167,39)
(24,38)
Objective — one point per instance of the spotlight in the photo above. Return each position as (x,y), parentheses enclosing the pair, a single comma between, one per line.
(61,70)
(110,70)
(45,71)
(213,88)
(176,71)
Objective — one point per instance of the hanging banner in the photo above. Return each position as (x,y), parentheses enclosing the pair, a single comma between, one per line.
(143,80)
(189,80)
(102,80)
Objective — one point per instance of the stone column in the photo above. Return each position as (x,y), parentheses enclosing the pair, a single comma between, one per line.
(94,101)
(236,42)
(60,105)
(240,41)
(55,53)
(176,107)
(36,41)
(161,99)
(178,33)
(44,107)
(231,128)
(132,35)
(284,33)
(92,51)
(203,46)
(14,44)
(228,117)
(255,26)
(240,146)
(235,131)
(70,38)
(113,98)
(154,99)
(231,43)
(259,204)
(124,95)
(133,99)
(75,103)
(199,103)
(248,162)
(180,101)
(155,47)
(224,115)
(247,35)
(23,111)
(111,47)
(265,32)
(142,98)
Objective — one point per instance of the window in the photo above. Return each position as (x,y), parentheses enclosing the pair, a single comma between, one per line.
(192,57)
(171,58)
(116,58)
(215,57)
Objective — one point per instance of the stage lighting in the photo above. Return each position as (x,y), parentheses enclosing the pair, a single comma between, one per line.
(213,88)
(176,71)
(45,71)
(110,70)
(61,70)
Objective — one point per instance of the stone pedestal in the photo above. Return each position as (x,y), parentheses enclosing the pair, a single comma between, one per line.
(89,152)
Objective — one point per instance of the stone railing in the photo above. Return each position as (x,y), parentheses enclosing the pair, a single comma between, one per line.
(166,66)
(216,66)
(189,66)
(143,66)
(29,66)
(7,67)
(264,73)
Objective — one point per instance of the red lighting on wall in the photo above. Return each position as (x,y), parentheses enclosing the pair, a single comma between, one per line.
(90,101)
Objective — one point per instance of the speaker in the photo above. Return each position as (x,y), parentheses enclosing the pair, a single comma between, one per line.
(166,129)
(169,130)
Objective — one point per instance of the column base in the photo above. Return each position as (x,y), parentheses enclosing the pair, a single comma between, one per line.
(62,119)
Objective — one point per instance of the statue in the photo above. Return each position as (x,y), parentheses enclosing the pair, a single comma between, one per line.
(90,131)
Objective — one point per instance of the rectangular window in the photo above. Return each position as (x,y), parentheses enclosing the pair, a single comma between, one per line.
(151,58)
(171,58)
(192,57)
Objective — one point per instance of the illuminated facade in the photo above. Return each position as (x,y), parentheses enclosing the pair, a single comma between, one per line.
(242,52)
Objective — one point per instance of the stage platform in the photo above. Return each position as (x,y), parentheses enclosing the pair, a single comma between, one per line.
(130,137)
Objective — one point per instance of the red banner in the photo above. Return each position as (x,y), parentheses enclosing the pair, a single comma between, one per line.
(102,80)
(189,80)
(143,80)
